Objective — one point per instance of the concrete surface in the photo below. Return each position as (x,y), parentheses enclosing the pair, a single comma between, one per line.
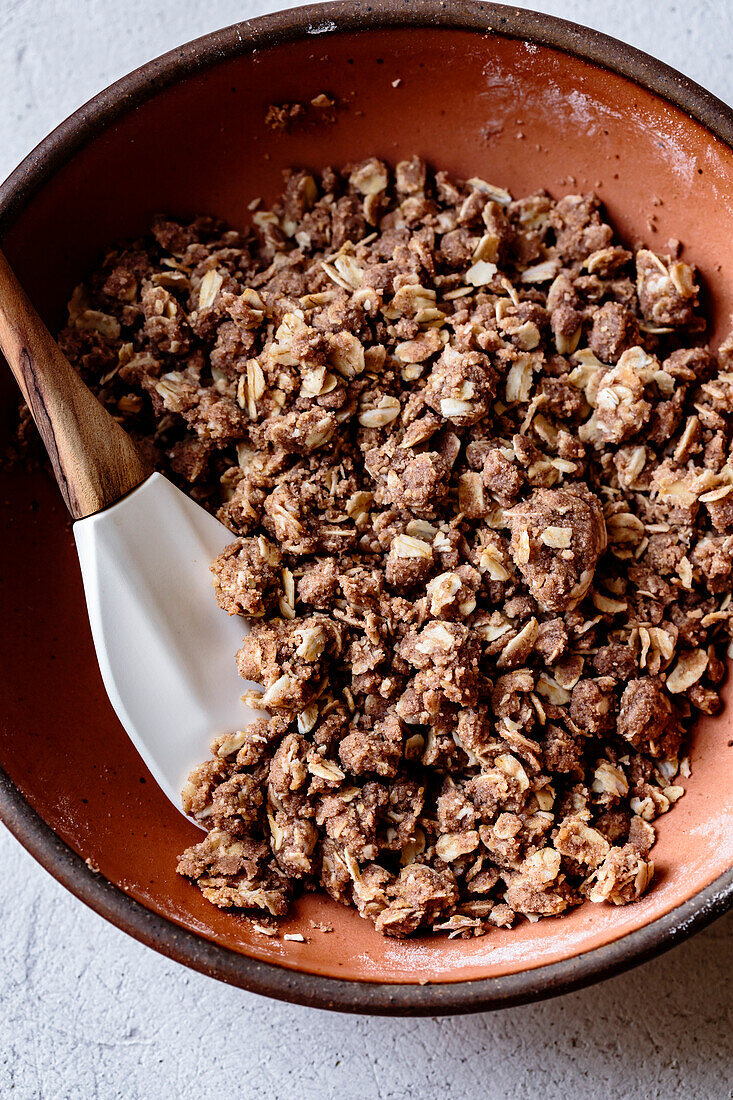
(87,1013)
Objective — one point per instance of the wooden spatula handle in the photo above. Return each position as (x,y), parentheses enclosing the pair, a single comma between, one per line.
(93,458)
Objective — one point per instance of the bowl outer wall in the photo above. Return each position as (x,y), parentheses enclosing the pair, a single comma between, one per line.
(107,110)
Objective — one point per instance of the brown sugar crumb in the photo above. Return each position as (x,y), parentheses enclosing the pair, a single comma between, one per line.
(279,116)
(557,537)
(287,116)
(263,929)
(476,462)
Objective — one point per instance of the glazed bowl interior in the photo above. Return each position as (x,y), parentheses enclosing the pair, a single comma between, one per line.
(520,114)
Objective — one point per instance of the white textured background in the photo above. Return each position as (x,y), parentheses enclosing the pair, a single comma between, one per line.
(86,1012)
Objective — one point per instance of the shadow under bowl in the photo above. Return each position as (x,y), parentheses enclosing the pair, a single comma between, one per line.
(523,100)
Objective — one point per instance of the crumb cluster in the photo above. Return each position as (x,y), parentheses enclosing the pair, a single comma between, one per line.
(475,455)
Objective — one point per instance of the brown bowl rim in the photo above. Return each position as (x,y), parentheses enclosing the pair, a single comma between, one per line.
(66,866)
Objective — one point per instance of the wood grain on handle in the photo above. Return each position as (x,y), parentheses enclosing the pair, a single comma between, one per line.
(93,458)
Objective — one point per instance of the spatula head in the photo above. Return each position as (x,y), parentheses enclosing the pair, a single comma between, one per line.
(165,648)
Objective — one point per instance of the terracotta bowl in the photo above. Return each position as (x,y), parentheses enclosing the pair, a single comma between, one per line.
(518,98)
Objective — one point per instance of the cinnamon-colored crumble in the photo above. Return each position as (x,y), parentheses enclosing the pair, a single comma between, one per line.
(475,455)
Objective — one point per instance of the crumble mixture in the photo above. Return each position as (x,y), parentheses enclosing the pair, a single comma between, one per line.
(476,457)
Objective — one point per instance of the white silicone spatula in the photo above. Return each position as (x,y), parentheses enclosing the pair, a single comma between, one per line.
(165,650)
